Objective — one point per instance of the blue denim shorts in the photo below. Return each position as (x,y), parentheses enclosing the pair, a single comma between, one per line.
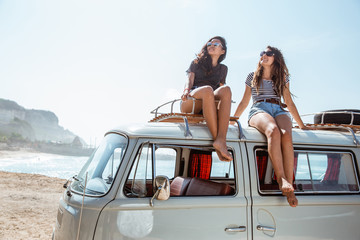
(264,107)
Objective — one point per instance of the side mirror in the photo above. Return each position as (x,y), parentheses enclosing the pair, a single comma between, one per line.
(162,186)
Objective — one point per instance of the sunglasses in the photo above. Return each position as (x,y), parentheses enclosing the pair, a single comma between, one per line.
(268,53)
(216,44)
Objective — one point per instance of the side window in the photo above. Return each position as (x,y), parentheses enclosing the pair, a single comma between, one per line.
(192,171)
(148,165)
(314,172)
(221,169)
(141,172)
(325,172)
(165,162)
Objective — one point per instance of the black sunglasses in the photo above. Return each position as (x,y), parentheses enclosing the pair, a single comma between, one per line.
(268,53)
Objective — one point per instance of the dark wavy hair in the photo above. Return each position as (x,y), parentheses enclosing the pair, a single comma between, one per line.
(279,72)
(204,59)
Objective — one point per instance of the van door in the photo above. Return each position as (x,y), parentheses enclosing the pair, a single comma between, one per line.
(130,215)
(327,188)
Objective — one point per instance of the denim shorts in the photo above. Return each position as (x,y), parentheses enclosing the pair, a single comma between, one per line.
(264,107)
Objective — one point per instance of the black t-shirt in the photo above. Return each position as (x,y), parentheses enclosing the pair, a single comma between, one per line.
(217,76)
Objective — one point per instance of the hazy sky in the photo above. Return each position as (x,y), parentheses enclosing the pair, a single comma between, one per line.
(99,64)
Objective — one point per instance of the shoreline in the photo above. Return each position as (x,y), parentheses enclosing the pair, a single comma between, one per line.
(28,205)
(34,162)
(58,149)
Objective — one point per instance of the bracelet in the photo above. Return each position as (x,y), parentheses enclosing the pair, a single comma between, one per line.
(186,89)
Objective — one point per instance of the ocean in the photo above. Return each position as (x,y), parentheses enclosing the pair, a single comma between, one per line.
(51,165)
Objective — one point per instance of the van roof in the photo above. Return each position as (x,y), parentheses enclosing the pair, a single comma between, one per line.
(200,132)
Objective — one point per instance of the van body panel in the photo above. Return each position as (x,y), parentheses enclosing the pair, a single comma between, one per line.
(318,216)
(176,218)
(70,211)
(182,217)
(260,215)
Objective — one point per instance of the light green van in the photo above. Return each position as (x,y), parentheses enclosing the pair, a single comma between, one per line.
(164,181)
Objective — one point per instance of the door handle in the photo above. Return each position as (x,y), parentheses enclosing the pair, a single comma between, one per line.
(236,229)
(264,228)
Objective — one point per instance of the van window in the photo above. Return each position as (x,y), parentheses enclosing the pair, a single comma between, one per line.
(165,162)
(102,166)
(181,164)
(141,171)
(220,168)
(314,172)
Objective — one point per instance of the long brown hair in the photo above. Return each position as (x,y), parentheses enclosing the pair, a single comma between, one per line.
(279,72)
(204,59)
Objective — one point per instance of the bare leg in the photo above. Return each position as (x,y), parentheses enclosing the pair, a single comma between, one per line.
(206,94)
(285,126)
(268,126)
(224,95)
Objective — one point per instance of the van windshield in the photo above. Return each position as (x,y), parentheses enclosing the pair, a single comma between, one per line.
(102,166)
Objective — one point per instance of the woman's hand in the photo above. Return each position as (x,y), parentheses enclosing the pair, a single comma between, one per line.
(244,102)
(185,94)
(188,86)
(303,127)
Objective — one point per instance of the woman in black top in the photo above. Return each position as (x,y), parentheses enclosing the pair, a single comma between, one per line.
(206,80)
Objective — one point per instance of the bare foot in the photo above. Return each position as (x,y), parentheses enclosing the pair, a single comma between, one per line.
(291,198)
(222,151)
(285,187)
(220,156)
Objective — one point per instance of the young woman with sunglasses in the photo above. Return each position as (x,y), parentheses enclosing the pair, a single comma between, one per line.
(266,86)
(206,84)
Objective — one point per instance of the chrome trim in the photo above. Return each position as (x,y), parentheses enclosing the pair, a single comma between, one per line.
(311,176)
(187,133)
(236,229)
(241,134)
(265,228)
(156,110)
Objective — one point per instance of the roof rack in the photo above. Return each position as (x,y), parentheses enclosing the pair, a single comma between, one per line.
(186,117)
(324,125)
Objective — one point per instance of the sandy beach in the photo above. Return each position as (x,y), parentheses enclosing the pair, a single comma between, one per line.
(28,205)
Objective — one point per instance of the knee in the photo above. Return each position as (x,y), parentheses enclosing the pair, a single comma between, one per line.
(272,132)
(207,93)
(226,92)
(286,135)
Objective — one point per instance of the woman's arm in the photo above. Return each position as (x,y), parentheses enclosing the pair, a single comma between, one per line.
(292,108)
(244,102)
(188,85)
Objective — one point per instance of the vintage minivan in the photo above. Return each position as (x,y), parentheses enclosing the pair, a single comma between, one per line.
(163,180)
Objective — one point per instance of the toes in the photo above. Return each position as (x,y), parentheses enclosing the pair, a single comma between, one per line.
(292,200)
(220,156)
(222,152)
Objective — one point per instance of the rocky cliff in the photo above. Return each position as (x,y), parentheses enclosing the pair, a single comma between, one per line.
(31,124)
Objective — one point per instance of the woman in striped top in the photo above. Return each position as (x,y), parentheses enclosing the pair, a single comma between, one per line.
(267,85)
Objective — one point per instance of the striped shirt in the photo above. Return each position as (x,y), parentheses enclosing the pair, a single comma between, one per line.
(266,88)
